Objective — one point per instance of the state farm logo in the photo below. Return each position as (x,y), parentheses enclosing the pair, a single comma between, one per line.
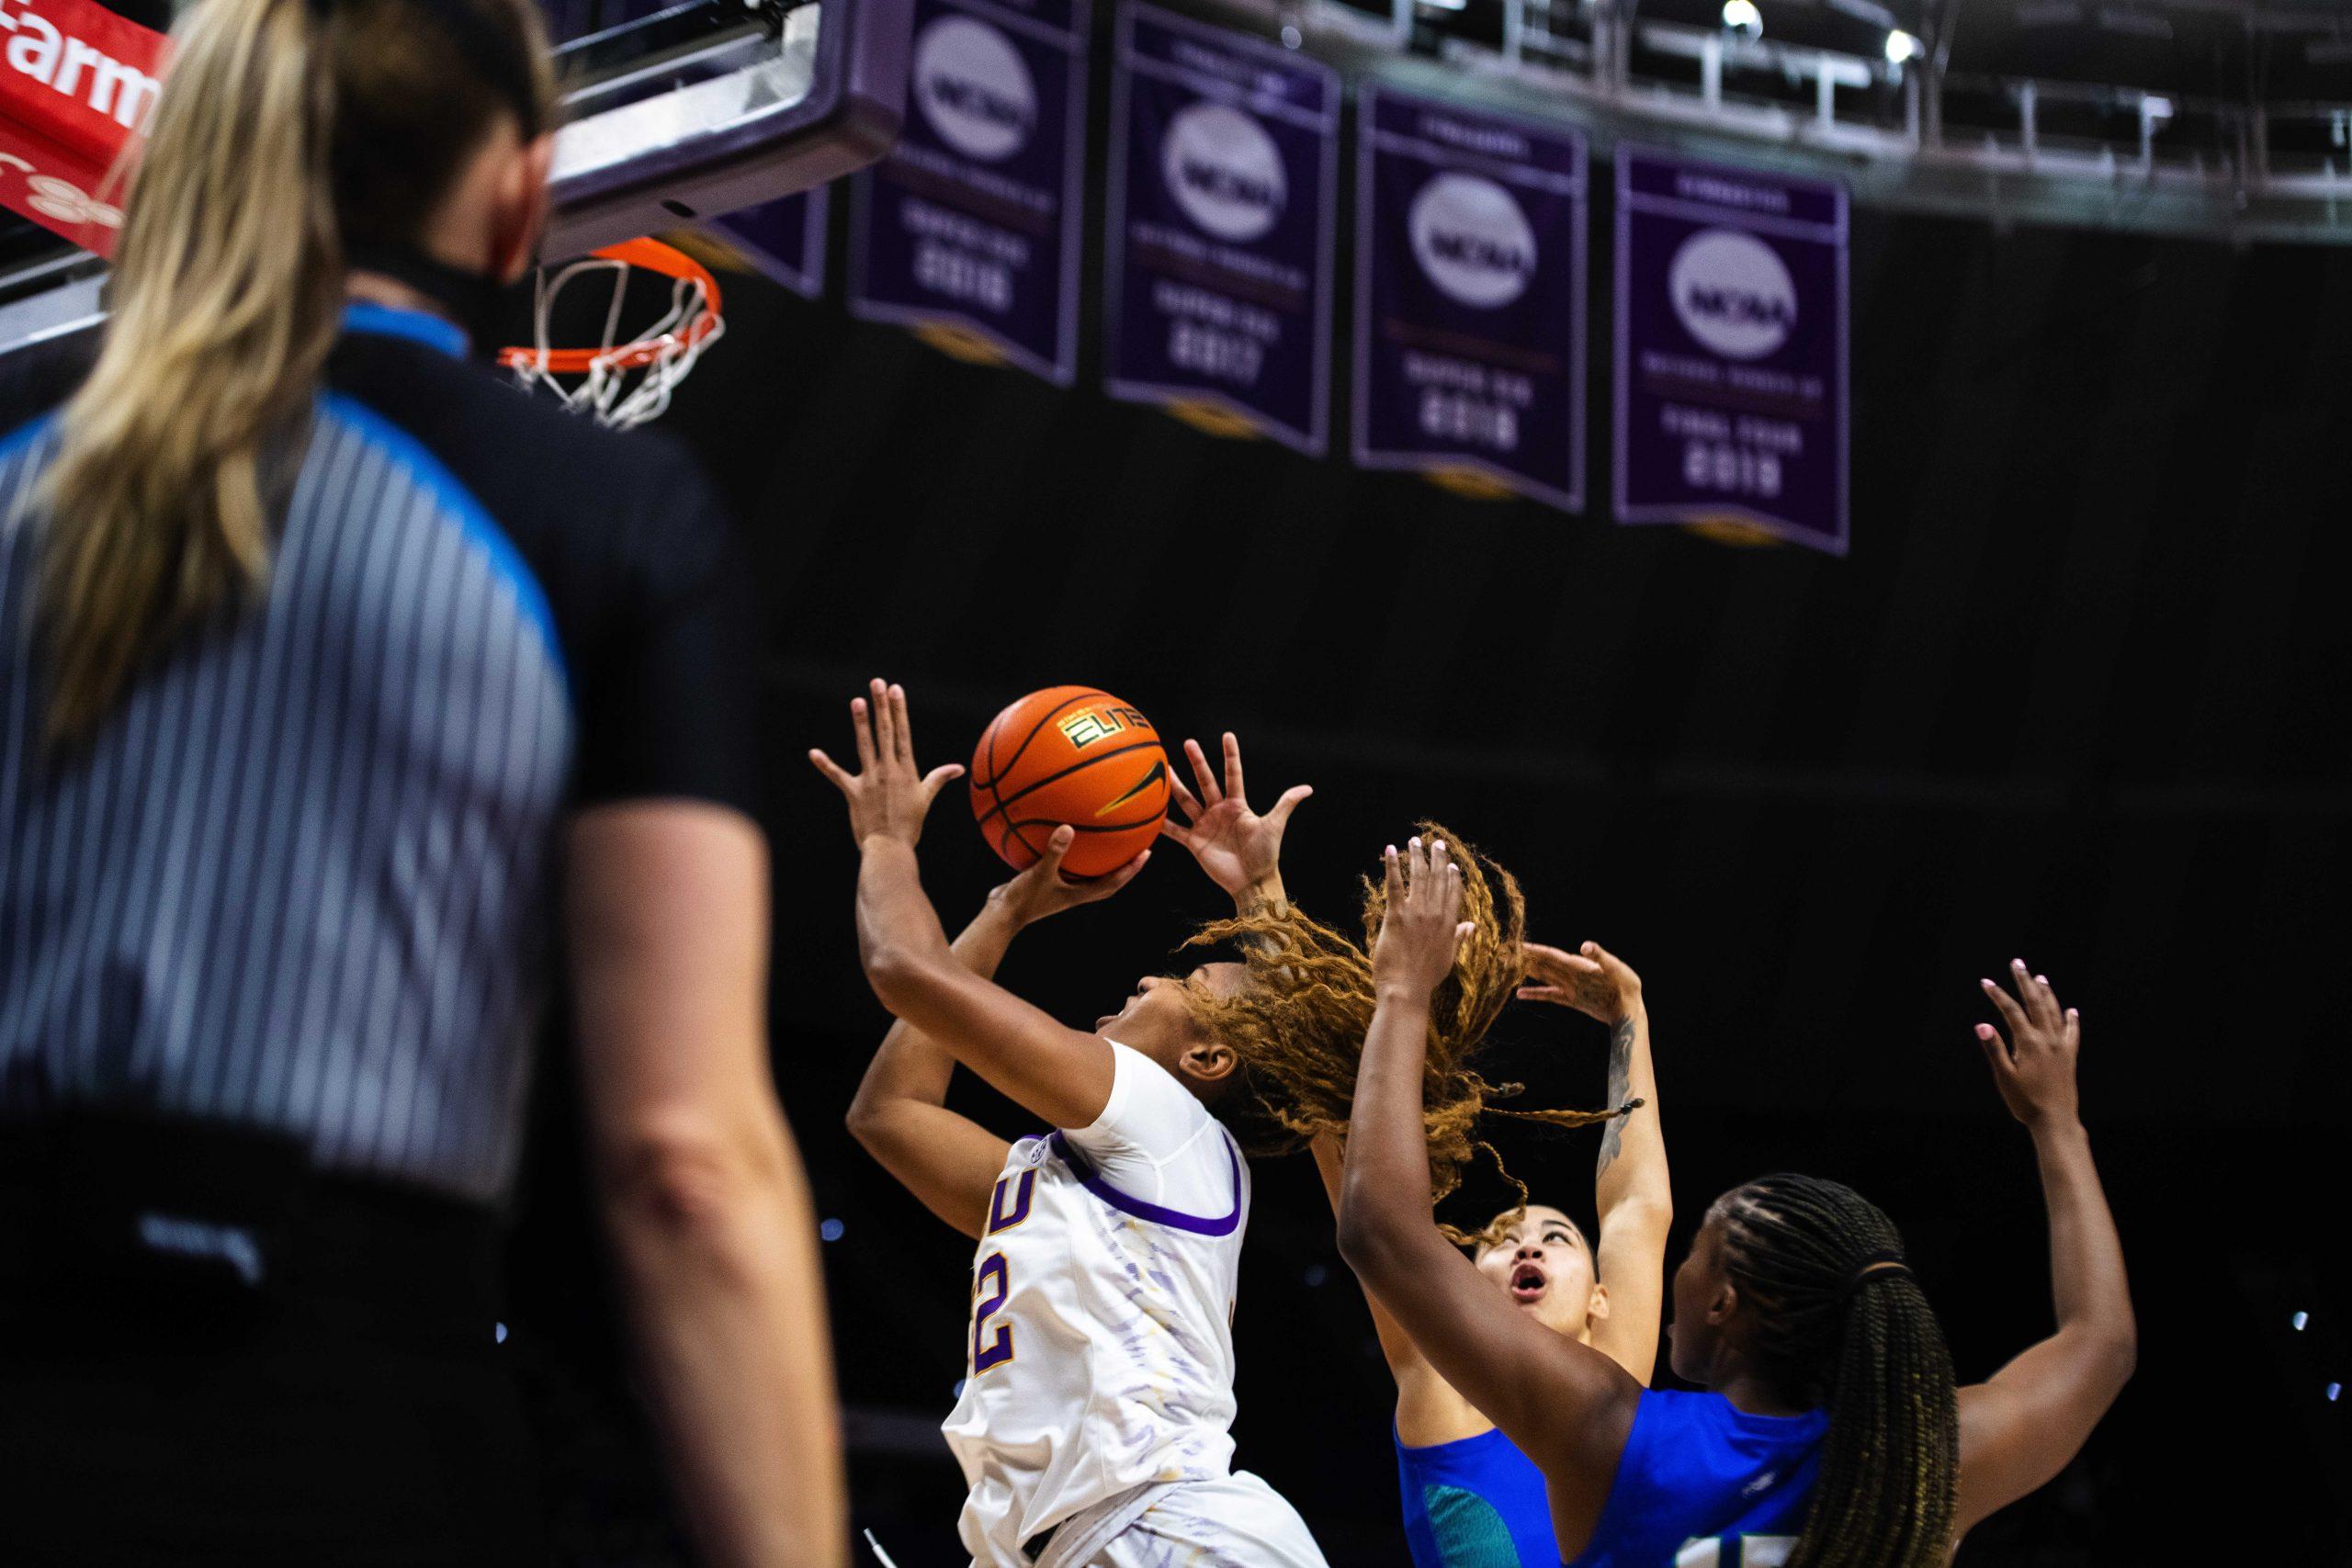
(1473,239)
(80,71)
(1226,172)
(974,88)
(61,200)
(1733,293)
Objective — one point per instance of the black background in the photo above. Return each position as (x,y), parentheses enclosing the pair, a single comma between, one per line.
(2079,692)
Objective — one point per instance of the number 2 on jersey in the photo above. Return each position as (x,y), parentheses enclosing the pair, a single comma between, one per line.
(990,1350)
(994,1350)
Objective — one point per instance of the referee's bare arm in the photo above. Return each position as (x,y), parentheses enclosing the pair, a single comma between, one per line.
(702,1187)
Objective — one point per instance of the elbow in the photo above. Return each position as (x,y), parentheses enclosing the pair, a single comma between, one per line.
(2119,1343)
(2113,1361)
(863,1116)
(1368,1241)
(2106,1355)
(896,974)
(870,1121)
(1649,1212)
(2120,1355)
(689,1187)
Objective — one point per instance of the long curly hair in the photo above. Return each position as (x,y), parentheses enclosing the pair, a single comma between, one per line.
(1298,1023)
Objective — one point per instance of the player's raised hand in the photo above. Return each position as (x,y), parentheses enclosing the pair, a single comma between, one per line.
(1043,890)
(1237,847)
(1592,980)
(1422,930)
(887,798)
(2034,1067)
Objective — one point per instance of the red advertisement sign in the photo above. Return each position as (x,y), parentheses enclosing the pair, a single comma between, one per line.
(76,83)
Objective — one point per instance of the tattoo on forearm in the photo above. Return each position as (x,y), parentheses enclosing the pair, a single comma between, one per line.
(1256,901)
(1621,1084)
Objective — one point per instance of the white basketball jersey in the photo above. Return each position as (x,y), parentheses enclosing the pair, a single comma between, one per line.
(1099,1356)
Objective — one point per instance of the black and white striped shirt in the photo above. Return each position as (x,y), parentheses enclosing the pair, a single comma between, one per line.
(302,879)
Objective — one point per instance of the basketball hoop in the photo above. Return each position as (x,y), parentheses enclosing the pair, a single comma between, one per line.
(623,381)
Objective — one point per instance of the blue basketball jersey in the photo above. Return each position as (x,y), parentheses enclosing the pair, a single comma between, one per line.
(1705,1486)
(1474,1503)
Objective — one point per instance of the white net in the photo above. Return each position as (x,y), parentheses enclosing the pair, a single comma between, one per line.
(625,380)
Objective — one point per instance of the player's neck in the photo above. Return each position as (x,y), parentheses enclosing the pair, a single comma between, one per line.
(1751,1395)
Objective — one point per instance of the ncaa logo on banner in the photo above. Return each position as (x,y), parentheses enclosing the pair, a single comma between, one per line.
(1226,172)
(1733,293)
(974,88)
(1473,239)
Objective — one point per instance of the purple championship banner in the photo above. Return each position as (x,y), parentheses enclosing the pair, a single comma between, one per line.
(1731,348)
(783,240)
(970,226)
(1470,289)
(1223,169)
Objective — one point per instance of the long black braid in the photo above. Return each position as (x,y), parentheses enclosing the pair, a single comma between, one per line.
(1840,1321)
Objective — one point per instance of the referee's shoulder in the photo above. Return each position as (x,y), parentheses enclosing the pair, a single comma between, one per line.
(524,457)
(37,378)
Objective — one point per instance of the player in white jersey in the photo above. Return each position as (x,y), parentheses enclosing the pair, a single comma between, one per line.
(1094,1428)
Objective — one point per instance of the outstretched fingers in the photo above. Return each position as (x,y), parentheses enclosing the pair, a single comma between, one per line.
(860,722)
(902,727)
(939,778)
(1210,793)
(1997,1052)
(1280,815)
(1449,891)
(836,774)
(1436,878)
(2012,1012)
(2034,994)
(885,723)
(1185,799)
(1541,957)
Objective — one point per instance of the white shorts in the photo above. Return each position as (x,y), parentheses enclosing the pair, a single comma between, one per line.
(1239,1522)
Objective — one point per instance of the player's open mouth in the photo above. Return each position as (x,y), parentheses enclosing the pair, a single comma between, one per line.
(1526,1282)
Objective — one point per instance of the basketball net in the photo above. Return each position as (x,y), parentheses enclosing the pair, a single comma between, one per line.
(625,380)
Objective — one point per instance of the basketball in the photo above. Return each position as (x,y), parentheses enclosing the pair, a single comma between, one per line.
(1075,755)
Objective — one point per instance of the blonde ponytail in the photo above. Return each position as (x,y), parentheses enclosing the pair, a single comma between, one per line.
(288,132)
(227,291)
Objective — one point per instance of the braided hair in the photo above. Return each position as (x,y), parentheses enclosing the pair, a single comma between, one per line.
(1840,1321)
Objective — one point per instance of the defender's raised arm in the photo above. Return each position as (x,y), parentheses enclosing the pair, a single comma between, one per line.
(2021,1428)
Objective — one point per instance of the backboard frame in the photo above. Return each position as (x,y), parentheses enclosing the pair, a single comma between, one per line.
(702,109)
(828,81)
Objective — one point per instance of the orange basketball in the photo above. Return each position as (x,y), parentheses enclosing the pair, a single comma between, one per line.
(1071,754)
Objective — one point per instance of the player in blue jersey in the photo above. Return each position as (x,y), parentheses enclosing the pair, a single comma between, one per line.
(1471,1499)
(1830,1434)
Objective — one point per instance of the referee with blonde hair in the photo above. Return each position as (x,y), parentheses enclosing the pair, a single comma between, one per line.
(335,678)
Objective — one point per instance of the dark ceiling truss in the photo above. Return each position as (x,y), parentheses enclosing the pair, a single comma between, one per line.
(2231,117)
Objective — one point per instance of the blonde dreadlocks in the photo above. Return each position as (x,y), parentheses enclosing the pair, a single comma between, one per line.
(1298,1025)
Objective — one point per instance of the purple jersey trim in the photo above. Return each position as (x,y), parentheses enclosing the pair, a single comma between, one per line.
(1092,1181)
